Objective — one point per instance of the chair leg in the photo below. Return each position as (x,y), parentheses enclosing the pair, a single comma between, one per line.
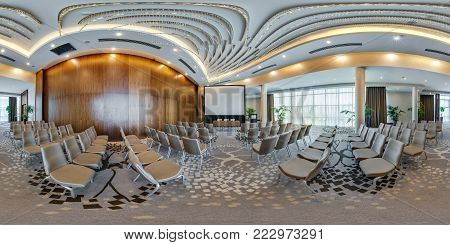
(168,153)
(298,145)
(308,187)
(288,151)
(154,190)
(258,160)
(201,161)
(137,177)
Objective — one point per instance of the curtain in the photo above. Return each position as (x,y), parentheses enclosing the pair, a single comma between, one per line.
(428,106)
(270,105)
(437,108)
(13,106)
(376,99)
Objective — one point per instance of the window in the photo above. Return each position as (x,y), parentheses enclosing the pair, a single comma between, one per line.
(4,102)
(445,102)
(321,106)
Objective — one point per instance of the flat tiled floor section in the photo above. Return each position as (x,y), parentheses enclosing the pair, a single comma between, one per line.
(230,188)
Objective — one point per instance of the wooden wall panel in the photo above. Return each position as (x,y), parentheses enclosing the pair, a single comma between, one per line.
(111,91)
(38,98)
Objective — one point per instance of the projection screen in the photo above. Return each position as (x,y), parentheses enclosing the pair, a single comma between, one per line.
(225,100)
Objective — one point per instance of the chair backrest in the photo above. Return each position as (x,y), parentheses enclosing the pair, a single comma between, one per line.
(265,132)
(252,134)
(53,157)
(43,137)
(302,133)
(72,148)
(282,128)
(137,165)
(191,146)
(398,124)
(268,145)
(173,129)
(283,140)
(63,131)
(380,128)
(182,131)
(28,138)
(166,128)
(420,126)
(274,130)
(84,141)
(192,133)
(163,138)
(364,132)
(201,125)
(288,127)
(90,134)
(17,130)
(253,125)
(370,135)
(203,133)
(393,152)
(405,136)
(185,124)
(52,125)
(320,163)
(269,124)
(210,127)
(245,127)
(54,135)
(179,123)
(419,139)
(294,135)
(154,135)
(386,130)
(360,129)
(431,128)
(28,127)
(192,125)
(148,133)
(413,126)
(175,142)
(70,129)
(308,129)
(45,126)
(378,143)
(393,134)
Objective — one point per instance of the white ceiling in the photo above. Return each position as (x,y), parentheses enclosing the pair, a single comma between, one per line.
(12,86)
(214,37)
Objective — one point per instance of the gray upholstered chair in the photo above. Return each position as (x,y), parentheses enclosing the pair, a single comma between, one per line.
(308,131)
(212,131)
(367,141)
(45,126)
(322,145)
(252,136)
(192,133)
(96,136)
(431,132)
(301,136)
(137,148)
(205,137)
(268,124)
(282,143)
(393,133)
(398,124)
(288,127)
(293,138)
(173,129)
(182,131)
(361,138)
(266,147)
(52,125)
(405,136)
(380,167)
(439,128)
(282,128)
(59,171)
(386,130)
(264,132)
(420,126)
(177,145)
(28,127)
(157,172)
(87,147)
(274,130)
(55,137)
(94,140)
(42,136)
(301,169)
(185,125)
(380,128)
(29,146)
(358,132)
(192,147)
(374,151)
(164,142)
(417,146)
(132,139)
(75,155)
(145,157)
(155,138)
(63,131)
(166,128)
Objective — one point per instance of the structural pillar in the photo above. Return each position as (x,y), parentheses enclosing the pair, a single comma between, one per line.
(263,105)
(414,112)
(360,95)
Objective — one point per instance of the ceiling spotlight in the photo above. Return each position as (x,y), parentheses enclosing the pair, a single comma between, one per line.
(237,75)
(185,74)
(284,56)
(28,63)
(435,63)
(273,73)
(391,56)
(328,42)
(341,58)
(113,49)
(67,55)
(168,62)
(175,50)
(381,77)
(247,80)
(3,50)
(119,34)
(426,80)
(52,45)
(396,38)
(259,67)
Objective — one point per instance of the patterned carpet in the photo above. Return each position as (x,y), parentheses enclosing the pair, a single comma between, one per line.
(230,188)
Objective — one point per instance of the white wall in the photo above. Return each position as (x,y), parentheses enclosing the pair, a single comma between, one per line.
(401,99)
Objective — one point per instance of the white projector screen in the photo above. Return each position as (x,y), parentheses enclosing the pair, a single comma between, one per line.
(225,100)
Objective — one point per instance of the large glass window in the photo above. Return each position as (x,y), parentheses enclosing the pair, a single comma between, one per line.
(320,106)
(445,102)
(4,102)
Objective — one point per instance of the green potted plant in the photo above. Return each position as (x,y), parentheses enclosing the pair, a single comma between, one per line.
(394,113)
(281,113)
(368,115)
(28,110)
(442,109)
(250,111)
(351,116)
(8,110)
(421,112)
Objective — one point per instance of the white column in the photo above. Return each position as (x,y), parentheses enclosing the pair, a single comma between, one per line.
(360,95)
(263,105)
(414,103)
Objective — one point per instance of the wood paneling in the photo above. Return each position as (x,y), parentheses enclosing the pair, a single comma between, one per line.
(38,98)
(111,91)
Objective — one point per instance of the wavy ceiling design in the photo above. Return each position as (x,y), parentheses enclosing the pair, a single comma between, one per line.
(16,23)
(216,41)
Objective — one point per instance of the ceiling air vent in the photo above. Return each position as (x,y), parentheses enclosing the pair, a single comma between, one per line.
(263,68)
(335,46)
(437,52)
(8,58)
(187,65)
(65,48)
(128,41)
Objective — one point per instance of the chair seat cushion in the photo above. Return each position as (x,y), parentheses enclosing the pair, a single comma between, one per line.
(99,142)
(32,149)
(311,154)
(104,137)
(323,139)
(89,160)
(163,170)
(134,141)
(362,154)
(72,176)
(97,149)
(132,137)
(256,147)
(297,168)
(138,148)
(359,145)
(376,167)
(355,139)
(327,135)
(319,145)
(431,135)
(412,150)
(202,148)
(149,157)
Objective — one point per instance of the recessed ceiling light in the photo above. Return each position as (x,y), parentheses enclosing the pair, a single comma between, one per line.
(273,73)
(247,80)
(185,74)
(328,42)
(28,63)
(168,62)
(341,58)
(3,50)
(426,80)
(435,63)
(381,77)
(396,38)
(391,56)
(67,55)
(113,49)
(284,56)
(259,67)
(175,50)
(237,75)
(119,34)
(52,45)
